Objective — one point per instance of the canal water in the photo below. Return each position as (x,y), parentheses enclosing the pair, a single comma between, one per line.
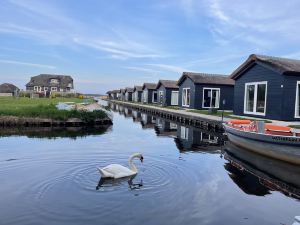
(188,177)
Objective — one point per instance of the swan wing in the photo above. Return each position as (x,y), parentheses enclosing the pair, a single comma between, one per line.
(116,171)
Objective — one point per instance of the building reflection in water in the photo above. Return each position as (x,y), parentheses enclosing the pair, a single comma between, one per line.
(253,174)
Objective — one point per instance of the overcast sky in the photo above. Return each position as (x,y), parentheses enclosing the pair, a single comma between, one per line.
(112,44)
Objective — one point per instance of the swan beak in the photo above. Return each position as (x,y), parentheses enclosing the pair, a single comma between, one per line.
(142,159)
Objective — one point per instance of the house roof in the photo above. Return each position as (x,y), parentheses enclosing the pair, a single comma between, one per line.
(282,65)
(44,80)
(108,92)
(167,84)
(122,90)
(115,91)
(150,86)
(8,88)
(205,78)
(138,88)
(128,89)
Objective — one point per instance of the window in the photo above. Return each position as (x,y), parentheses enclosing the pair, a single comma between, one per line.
(45,88)
(54,81)
(161,97)
(145,95)
(136,96)
(53,88)
(255,98)
(37,88)
(173,126)
(184,133)
(297,107)
(186,97)
(174,98)
(154,97)
(211,98)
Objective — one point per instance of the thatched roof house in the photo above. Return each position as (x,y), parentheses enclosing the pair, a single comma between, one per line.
(7,89)
(50,82)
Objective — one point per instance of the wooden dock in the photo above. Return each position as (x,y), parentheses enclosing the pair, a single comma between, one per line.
(207,122)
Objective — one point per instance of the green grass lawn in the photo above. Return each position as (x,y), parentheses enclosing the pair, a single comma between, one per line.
(295,126)
(44,108)
(227,114)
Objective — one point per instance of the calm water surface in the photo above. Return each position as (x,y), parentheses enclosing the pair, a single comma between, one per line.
(188,177)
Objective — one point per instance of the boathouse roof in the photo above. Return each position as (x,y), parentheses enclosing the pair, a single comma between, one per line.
(284,66)
(8,88)
(205,78)
(45,80)
(128,89)
(167,84)
(138,88)
(149,86)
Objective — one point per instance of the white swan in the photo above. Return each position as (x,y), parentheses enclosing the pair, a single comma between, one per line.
(117,171)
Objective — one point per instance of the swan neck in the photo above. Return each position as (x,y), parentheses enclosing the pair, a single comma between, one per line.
(131,164)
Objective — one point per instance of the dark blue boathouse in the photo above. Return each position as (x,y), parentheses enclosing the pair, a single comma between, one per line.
(205,91)
(268,87)
(167,91)
(149,93)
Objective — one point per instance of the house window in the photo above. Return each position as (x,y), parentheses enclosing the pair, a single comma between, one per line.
(154,97)
(173,126)
(136,96)
(37,88)
(54,81)
(186,97)
(53,88)
(145,95)
(255,98)
(297,107)
(184,133)
(174,98)
(45,88)
(211,98)
(161,96)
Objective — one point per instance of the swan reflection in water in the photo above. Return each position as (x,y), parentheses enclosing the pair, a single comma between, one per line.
(117,182)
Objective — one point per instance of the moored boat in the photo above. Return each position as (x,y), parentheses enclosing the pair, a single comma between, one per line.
(274,141)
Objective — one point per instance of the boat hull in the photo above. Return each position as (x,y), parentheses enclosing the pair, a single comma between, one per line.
(279,147)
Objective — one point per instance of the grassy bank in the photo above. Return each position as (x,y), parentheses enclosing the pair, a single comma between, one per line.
(45,108)
(227,114)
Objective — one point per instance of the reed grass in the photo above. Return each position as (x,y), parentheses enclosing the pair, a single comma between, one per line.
(45,108)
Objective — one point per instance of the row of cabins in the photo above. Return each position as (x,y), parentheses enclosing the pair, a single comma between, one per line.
(263,87)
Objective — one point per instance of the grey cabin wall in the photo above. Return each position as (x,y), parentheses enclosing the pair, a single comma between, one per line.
(187,83)
(289,97)
(257,73)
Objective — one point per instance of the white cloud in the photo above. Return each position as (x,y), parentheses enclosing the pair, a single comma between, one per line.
(26,64)
(170,68)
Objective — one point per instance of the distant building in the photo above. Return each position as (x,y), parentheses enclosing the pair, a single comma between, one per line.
(204,91)
(137,93)
(268,87)
(50,83)
(122,94)
(149,93)
(167,92)
(7,89)
(128,94)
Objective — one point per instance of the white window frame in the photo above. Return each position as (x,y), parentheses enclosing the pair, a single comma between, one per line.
(297,100)
(145,96)
(185,93)
(255,98)
(177,96)
(184,132)
(53,88)
(208,88)
(153,96)
(45,88)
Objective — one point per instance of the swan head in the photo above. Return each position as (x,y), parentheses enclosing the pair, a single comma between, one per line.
(138,155)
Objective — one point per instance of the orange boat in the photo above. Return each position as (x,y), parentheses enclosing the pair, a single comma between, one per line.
(275,141)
